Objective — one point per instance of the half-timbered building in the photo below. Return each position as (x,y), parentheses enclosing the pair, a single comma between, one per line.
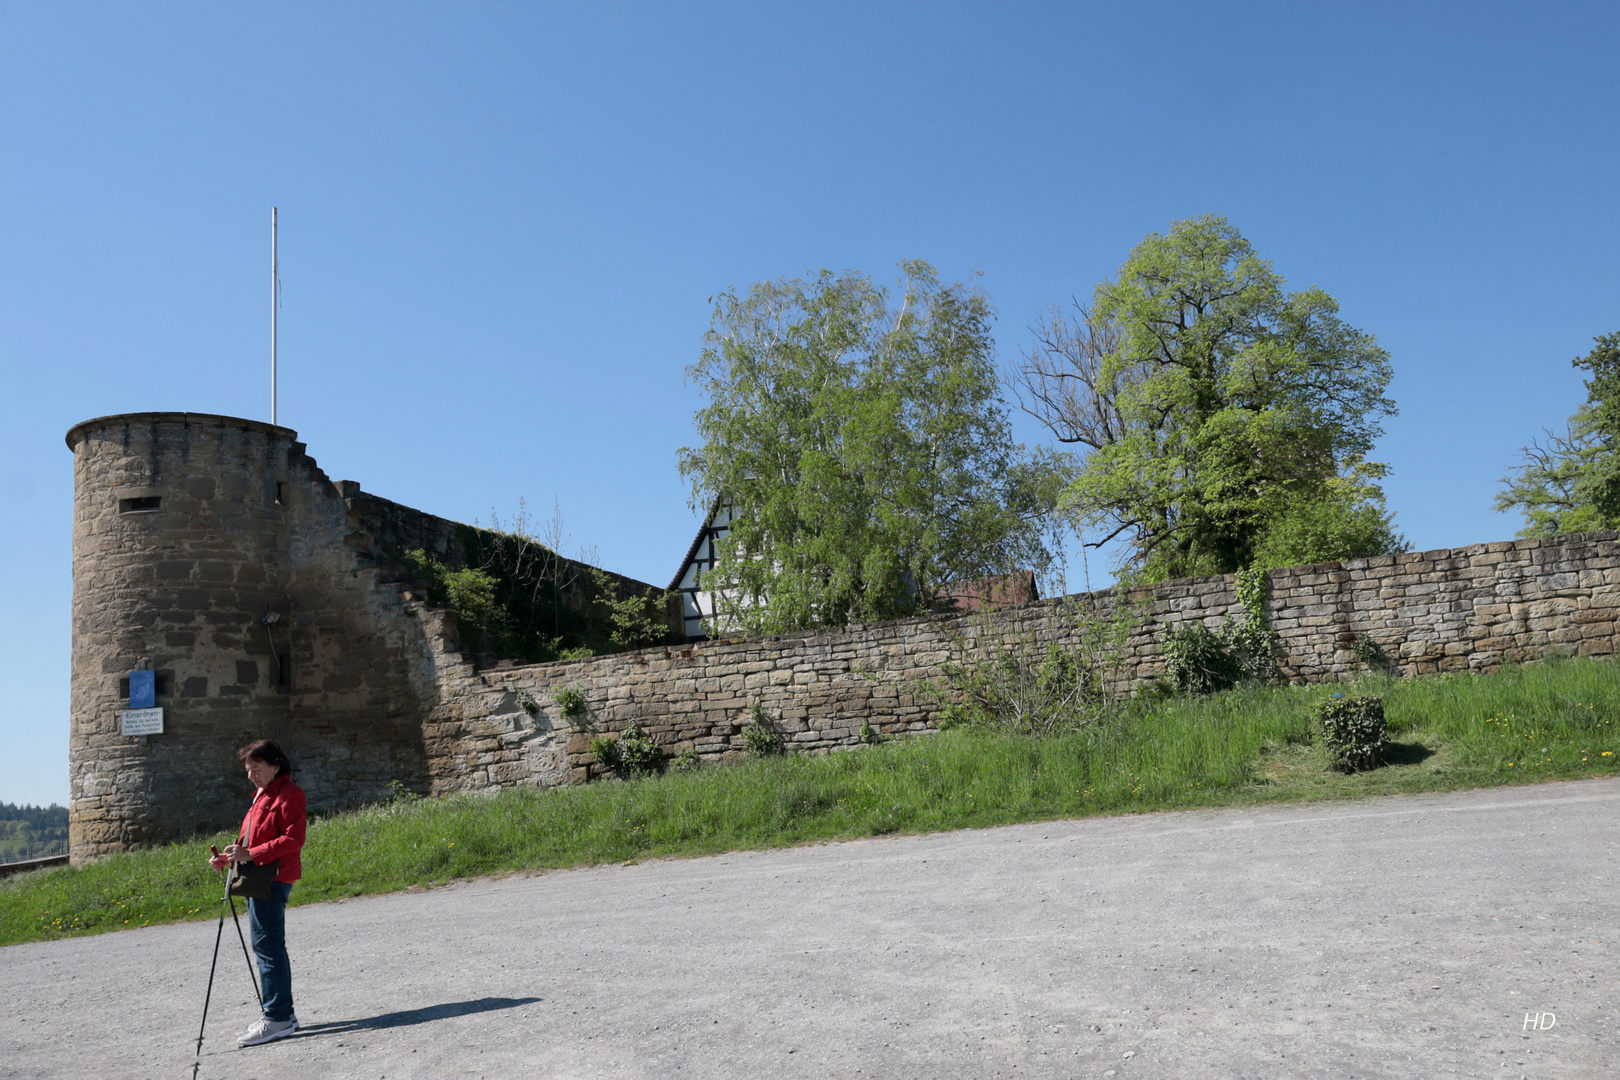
(697,602)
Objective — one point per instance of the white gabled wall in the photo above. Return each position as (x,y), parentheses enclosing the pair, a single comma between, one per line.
(697,603)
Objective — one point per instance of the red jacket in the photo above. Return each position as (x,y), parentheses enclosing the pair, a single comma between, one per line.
(274,827)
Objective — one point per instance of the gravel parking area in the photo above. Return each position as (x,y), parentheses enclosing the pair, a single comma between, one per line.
(1468,934)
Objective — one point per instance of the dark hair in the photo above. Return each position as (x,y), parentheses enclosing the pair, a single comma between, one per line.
(267,751)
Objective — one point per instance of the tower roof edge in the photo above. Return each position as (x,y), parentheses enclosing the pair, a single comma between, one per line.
(77,432)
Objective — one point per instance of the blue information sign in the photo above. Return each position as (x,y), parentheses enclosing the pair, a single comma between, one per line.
(142,689)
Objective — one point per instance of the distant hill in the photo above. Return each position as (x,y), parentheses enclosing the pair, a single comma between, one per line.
(32,832)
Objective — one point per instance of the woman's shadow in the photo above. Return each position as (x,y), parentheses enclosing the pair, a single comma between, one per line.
(414,1016)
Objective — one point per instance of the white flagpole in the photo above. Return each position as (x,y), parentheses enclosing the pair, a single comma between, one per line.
(275,303)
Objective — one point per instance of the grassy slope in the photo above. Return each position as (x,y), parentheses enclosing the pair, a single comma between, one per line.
(1552,721)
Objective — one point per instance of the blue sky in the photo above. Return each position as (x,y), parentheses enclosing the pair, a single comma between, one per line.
(501,224)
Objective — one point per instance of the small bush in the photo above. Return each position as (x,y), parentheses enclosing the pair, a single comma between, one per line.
(760,734)
(1369,652)
(637,620)
(633,753)
(1354,732)
(687,761)
(869,734)
(1155,690)
(1039,693)
(1017,684)
(399,793)
(482,622)
(605,748)
(1201,660)
(569,700)
(1244,649)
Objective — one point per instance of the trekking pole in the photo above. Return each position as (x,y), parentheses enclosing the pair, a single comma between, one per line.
(219,932)
(253,974)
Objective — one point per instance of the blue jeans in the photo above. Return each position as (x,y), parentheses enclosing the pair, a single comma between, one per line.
(267,921)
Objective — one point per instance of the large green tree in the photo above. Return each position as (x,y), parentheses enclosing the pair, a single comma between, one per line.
(865,448)
(1225,420)
(1571,482)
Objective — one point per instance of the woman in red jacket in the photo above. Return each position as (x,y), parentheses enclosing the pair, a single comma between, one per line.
(272,830)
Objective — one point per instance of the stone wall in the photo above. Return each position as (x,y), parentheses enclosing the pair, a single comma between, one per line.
(215,551)
(1458,609)
(268,600)
(1463,609)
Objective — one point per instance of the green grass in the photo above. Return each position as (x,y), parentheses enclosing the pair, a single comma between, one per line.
(1550,721)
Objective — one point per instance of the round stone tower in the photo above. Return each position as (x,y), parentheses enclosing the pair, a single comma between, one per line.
(180,534)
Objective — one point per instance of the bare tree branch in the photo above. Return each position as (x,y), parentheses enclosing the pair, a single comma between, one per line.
(1066,383)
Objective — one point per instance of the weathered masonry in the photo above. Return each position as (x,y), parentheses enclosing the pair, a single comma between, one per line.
(191,532)
(1462,609)
(267,601)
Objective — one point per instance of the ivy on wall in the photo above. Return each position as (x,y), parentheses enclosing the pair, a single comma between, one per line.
(1244,649)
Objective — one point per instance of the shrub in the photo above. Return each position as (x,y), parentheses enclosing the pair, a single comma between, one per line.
(481,621)
(1201,660)
(637,620)
(1020,685)
(1354,732)
(760,734)
(1157,689)
(398,792)
(1204,661)
(1369,652)
(569,700)
(633,753)
(605,748)
(1028,693)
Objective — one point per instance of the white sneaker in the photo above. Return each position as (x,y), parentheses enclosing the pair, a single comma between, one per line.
(264,1031)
